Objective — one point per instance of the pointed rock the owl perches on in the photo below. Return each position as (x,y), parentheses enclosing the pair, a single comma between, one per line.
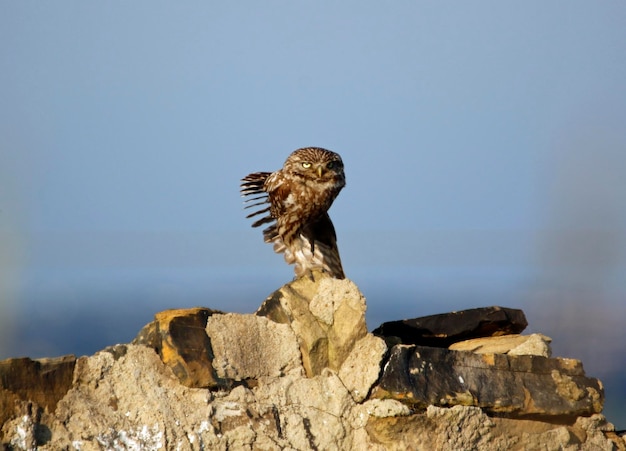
(299,196)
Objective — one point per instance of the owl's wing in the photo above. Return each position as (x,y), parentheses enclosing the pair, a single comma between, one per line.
(252,185)
(278,191)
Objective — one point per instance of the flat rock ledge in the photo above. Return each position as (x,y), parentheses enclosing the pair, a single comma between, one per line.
(303,373)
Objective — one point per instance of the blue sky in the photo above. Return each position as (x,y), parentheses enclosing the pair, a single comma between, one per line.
(134,114)
(484,144)
(128,117)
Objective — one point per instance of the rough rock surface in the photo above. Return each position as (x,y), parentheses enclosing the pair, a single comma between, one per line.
(262,347)
(179,337)
(327,315)
(126,398)
(469,428)
(516,385)
(534,344)
(42,381)
(361,368)
(153,394)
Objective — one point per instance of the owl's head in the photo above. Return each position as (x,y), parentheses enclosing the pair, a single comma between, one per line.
(316,163)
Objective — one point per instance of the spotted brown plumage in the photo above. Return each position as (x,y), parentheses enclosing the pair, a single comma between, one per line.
(296,199)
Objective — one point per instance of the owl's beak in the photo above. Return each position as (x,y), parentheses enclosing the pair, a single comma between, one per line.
(320,170)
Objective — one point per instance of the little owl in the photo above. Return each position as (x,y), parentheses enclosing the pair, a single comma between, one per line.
(299,196)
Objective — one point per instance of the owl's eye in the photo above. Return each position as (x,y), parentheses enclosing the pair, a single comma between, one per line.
(330,165)
(306,165)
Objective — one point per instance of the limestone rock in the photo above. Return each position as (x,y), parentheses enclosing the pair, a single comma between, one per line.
(499,383)
(326,314)
(470,428)
(180,339)
(313,412)
(131,397)
(362,367)
(534,344)
(383,408)
(251,347)
(456,428)
(444,329)
(126,398)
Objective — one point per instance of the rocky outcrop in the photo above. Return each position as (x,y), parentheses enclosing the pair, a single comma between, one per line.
(180,339)
(43,382)
(327,315)
(520,386)
(303,373)
(249,347)
(470,428)
(515,344)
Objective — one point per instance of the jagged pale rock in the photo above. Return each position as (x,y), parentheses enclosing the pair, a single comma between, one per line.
(470,428)
(250,347)
(361,368)
(447,328)
(326,314)
(131,397)
(383,408)
(597,434)
(591,433)
(179,337)
(534,344)
(117,399)
(128,399)
(456,428)
(313,412)
(498,383)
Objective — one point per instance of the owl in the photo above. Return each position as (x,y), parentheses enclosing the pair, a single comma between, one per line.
(299,196)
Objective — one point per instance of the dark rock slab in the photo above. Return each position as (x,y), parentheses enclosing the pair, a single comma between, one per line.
(179,337)
(41,381)
(524,385)
(447,328)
